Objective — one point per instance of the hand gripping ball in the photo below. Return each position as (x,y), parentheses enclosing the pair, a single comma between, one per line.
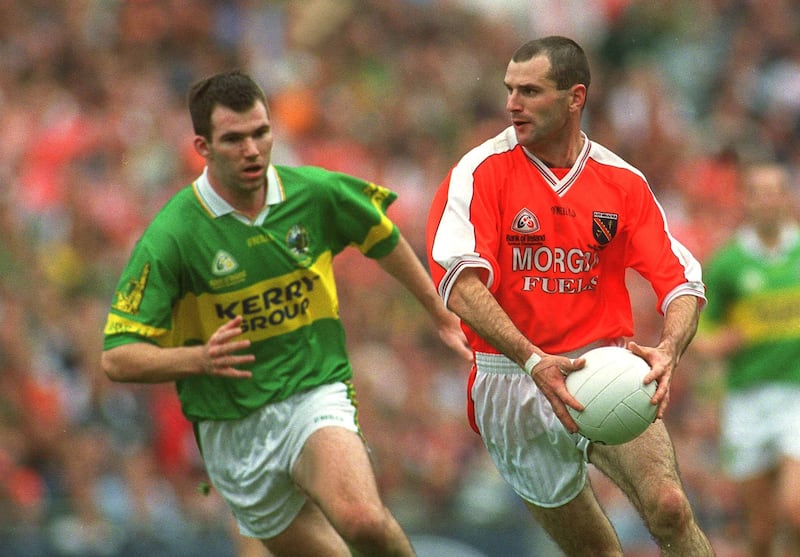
(616,402)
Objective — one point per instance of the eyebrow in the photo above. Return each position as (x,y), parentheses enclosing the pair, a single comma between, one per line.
(236,135)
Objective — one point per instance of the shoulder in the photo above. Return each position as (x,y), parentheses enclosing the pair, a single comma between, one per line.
(183,211)
(490,150)
(315,179)
(613,163)
(730,253)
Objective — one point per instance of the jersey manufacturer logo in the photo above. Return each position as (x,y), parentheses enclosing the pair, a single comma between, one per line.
(604,226)
(223,264)
(525,222)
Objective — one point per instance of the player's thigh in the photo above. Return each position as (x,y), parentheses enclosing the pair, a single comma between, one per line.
(334,469)
(309,535)
(643,467)
(579,527)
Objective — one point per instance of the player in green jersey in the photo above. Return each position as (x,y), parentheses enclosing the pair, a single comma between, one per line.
(752,323)
(230,293)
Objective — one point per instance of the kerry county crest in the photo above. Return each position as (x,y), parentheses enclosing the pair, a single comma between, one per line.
(604,226)
(297,240)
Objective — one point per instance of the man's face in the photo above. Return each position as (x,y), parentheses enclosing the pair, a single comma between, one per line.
(239,150)
(768,201)
(539,112)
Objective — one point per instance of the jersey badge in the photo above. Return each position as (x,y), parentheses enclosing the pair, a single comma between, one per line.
(297,240)
(223,264)
(604,226)
(525,222)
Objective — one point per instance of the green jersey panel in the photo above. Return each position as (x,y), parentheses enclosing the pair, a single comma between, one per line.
(192,271)
(759,294)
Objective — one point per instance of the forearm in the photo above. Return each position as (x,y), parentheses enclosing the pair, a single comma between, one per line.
(472,301)
(142,362)
(680,325)
(404,265)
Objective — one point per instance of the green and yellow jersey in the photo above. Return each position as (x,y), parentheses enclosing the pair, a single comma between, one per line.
(758,292)
(200,264)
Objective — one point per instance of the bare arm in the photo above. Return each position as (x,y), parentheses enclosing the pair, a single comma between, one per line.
(404,265)
(472,301)
(680,326)
(142,362)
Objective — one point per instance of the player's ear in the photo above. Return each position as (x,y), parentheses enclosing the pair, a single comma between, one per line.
(578,96)
(201,146)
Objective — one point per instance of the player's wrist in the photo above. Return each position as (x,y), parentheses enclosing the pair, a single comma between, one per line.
(531,362)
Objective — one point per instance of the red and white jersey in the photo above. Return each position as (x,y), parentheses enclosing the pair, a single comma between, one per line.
(555,250)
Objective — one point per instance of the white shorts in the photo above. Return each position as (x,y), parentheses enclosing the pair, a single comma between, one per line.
(533,452)
(249,461)
(758,427)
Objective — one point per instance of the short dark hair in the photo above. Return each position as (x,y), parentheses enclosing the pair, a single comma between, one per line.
(568,63)
(232,89)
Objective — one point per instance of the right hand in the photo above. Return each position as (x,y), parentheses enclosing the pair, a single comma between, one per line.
(220,352)
(550,375)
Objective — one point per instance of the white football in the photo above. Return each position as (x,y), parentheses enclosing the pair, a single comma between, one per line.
(616,402)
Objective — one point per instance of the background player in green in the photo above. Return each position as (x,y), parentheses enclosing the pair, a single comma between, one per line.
(230,293)
(752,322)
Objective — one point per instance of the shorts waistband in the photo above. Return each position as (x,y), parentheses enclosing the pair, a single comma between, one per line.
(498,363)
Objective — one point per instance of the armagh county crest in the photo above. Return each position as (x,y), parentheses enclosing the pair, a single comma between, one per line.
(604,226)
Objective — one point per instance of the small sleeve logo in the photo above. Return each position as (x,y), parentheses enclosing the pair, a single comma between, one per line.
(130,300)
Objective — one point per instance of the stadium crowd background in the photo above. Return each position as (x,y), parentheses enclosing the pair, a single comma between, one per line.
(96,136)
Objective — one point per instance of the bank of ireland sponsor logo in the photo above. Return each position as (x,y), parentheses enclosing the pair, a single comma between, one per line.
(223,264)
(525,222)
(604,226)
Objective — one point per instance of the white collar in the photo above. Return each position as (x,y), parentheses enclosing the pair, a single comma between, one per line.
(218,207)
(789,236)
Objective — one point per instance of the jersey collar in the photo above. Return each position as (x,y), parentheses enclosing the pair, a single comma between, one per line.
(561,185)
(218,207)
(788,239)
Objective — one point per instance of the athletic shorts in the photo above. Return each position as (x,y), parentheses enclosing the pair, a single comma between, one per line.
(249,461)
(758,427)
(533,452)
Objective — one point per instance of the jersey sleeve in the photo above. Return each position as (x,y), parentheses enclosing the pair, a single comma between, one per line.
(462,230)
(141,309)
(658,256)
(359,212)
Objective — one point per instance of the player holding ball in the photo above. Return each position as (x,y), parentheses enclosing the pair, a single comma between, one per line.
(529,239)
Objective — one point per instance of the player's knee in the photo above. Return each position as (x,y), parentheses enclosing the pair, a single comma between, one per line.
(671,515)
(363,525)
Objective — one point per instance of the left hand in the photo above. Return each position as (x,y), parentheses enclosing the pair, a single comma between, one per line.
(452,335)
(662,364)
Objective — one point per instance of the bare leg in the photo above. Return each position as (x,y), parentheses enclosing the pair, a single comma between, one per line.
(646,470)
(309,535)
(757,496)
(580,527)
(336,473)
(788,503)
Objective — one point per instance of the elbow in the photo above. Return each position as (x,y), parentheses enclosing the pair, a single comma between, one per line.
(109,366)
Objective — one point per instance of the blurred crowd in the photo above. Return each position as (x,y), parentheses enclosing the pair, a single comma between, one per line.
(96,136)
